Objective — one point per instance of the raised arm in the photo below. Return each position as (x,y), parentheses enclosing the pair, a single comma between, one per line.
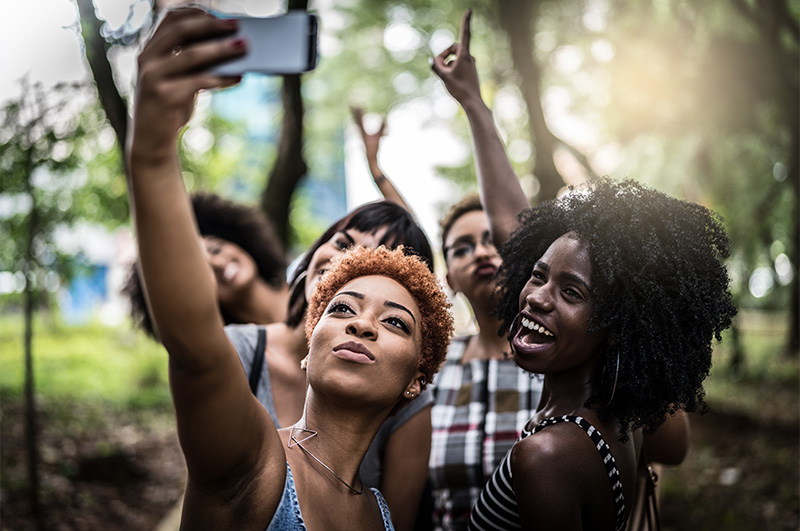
(501,192)
(209,390)
(372,143)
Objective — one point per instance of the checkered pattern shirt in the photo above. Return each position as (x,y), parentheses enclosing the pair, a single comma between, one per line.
(479,411)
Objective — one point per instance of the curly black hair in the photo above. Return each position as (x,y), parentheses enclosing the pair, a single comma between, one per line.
(245,226)
(660,291)
(401,229)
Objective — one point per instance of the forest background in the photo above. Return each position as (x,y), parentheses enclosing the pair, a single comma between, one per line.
(698,99)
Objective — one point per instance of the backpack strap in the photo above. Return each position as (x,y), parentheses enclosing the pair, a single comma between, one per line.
(258,359)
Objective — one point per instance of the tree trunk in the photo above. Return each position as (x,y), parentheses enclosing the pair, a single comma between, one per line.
(31,435)
(793,341)
(517,19)
(96,53)
(290,166)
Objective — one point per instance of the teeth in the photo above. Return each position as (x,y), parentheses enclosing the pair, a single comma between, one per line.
(230,271)
(530,325)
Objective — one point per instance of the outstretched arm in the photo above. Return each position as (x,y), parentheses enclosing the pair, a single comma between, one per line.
(372,143)
(501,192)
(210,394)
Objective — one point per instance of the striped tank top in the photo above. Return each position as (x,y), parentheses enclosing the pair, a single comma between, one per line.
(497,506)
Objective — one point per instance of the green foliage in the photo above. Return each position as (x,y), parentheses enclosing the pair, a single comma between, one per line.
(58,166)
(91,364)
(698,99)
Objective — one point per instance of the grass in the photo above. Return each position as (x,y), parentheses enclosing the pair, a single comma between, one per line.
(117,367)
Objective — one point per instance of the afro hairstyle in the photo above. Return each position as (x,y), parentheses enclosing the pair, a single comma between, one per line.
(239,224)
(659,290)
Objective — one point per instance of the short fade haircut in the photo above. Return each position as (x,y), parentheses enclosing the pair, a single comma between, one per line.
(436,323)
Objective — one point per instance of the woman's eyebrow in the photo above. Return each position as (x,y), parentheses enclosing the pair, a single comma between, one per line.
(400,307)
(347,236)
(353,294)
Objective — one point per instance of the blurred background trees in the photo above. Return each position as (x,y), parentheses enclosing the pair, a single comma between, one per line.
(698,99)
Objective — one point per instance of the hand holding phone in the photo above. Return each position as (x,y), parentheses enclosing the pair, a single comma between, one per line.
(285,44)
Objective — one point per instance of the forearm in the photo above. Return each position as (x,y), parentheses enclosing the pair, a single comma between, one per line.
(178,284)
(386,186)
(501,192)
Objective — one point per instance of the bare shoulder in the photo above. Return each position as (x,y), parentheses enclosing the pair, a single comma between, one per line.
(554,450)
(560,480)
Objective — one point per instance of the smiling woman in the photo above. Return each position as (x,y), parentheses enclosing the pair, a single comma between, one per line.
(615,292)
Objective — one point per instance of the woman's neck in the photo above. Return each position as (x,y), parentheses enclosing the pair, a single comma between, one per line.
(342,435)
(486,344)
(290,341)
(261,304)
(567,392)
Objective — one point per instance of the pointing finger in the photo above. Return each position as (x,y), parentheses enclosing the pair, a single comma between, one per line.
(465,33)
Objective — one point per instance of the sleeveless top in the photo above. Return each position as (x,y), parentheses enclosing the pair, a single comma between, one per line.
(479,411)
(497,506)
(288,517)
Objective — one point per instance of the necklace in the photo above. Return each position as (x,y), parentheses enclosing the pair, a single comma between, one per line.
(294,442)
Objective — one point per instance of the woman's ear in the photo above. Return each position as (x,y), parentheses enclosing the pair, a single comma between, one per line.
(414,388)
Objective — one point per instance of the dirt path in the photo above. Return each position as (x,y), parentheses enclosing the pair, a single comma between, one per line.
(740,475)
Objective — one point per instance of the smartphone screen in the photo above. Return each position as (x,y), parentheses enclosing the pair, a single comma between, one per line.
(286,44)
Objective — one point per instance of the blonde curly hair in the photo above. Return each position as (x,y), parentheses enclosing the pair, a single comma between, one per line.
(412,273)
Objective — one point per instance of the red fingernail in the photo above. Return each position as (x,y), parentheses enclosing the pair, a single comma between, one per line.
(239,44)
(231,23)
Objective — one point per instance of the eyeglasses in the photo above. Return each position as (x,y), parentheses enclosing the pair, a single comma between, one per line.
(465,247)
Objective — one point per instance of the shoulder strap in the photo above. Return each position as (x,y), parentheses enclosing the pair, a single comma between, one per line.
(605,453)
(258,359)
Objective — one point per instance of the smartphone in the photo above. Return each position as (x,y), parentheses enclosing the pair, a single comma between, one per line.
(285,44)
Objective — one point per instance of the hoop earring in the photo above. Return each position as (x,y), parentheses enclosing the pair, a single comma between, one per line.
(616,376)
(301,277)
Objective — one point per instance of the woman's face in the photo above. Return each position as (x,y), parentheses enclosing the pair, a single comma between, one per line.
(234,269)
(472,259)
(550,334)
(368,341)
(338,244)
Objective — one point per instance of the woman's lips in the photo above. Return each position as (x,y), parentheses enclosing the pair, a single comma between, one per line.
(355,352)
(486,270)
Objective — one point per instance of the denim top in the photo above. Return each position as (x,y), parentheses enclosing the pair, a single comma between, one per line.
(288,517)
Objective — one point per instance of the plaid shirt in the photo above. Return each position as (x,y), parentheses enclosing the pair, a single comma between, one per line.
(478,413)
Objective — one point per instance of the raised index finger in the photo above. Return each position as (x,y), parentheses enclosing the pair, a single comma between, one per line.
(465,33)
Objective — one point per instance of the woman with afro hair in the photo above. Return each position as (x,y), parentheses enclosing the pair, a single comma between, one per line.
(615,292)
(247,260)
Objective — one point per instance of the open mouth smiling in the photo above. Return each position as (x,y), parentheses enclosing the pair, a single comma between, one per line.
(531,336)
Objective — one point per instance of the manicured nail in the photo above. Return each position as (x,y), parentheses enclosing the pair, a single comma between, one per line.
(239,44)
